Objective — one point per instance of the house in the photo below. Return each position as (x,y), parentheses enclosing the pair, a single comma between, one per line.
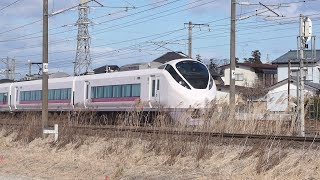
(144,65)
(136,66)
(51,76)
(282,96)
(289,59)
(277,97)
(106,68)
(247,74)
(169,56)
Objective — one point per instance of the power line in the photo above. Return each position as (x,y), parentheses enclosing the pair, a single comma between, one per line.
(9,5)
(19,27)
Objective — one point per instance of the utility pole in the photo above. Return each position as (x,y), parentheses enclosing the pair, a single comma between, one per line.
(289,80)
(305,30)
(301,74)
(45,66)
(190,27)
(190,40)
(232,58)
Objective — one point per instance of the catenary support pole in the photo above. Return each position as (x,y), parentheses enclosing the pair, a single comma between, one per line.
(301,58)
(232,57)
(190,40)
(45,67)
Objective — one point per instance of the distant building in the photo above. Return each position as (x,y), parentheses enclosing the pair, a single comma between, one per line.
(136,66)
(6,81)
(169,56)
(312,64)
(51,76)
(58,75)
(247,74)
(277,97)
(106,68)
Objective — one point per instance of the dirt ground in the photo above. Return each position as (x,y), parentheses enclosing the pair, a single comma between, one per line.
(97,158)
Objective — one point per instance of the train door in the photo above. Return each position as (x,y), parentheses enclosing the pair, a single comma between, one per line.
(16,97)
(86,93)
(154,89)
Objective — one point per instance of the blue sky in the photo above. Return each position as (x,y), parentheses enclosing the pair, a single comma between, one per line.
(120,36)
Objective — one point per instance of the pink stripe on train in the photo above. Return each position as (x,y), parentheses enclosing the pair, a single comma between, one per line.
(3,103)
(114,99)
(49,101)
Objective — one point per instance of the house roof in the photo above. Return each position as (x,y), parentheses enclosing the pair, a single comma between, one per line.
(170,56)
(292,56)
(258,68)
(58,75)
(255,65)
(5,81)
(307,84)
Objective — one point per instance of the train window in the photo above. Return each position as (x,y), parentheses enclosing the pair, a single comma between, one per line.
(33,95)
(135,90)
(195,73)
(87,91)
(158,84)
(93,92)
(107,91)
(21,96)
(57,94)
(65,94)
(53,94)
(175,76)
(117,91)
(126,90)
(38,95)
(3,97)
(153,92)
(69,93)
(100,92)
(27,95)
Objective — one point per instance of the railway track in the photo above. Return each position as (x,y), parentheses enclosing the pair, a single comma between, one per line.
(93,129)
(150,130)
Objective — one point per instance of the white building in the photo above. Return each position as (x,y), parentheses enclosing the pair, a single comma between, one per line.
(277,97)
(312,65)
(247,74)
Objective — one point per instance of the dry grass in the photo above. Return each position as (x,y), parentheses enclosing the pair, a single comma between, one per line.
(120,154)
(138,158)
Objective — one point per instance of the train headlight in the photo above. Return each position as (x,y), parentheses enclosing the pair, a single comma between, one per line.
(184,84)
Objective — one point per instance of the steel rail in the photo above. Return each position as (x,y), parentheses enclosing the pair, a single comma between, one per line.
(150,130)
(175,131)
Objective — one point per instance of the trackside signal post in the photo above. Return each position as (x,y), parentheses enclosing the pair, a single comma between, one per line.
(305,32)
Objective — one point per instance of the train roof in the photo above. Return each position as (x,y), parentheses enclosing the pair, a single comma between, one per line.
(116,74)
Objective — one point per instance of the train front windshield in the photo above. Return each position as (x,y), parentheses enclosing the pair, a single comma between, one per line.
(195,73)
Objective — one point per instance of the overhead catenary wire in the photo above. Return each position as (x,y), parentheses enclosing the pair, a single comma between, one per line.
(239,34)
(7,6)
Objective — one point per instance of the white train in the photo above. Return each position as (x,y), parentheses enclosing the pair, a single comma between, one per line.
(178,84)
